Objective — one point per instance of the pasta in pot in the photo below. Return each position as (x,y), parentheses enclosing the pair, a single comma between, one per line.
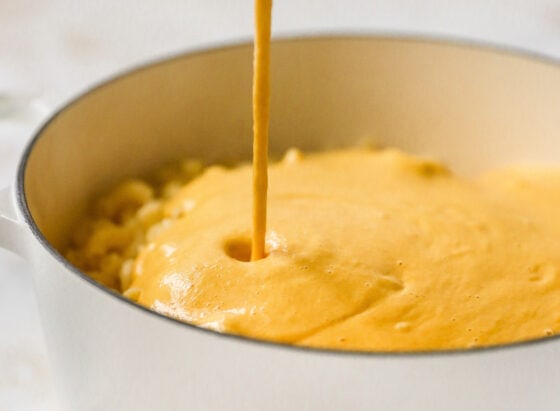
(106,242)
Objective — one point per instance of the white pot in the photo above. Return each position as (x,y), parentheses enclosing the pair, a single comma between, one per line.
(472,107)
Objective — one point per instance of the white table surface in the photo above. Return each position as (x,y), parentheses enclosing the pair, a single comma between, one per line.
(52,49)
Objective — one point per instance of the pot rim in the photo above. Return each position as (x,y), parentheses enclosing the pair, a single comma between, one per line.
(210,48)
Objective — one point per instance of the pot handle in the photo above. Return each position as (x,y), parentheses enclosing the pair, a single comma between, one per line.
(13,231)
(20,113)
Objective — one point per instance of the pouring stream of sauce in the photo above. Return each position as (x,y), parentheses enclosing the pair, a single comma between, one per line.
(261,116)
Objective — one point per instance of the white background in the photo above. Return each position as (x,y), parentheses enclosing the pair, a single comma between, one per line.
(53,49)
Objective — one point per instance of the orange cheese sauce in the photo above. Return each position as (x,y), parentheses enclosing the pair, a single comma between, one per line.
(368,250)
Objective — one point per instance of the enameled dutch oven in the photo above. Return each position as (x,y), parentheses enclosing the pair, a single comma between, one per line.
(473,107)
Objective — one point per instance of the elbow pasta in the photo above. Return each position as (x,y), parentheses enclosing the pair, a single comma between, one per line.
(106,242)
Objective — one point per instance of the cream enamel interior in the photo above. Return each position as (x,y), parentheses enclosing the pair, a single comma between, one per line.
(473,108)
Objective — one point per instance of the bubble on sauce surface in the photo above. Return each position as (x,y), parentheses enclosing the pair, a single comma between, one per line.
(543,274)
